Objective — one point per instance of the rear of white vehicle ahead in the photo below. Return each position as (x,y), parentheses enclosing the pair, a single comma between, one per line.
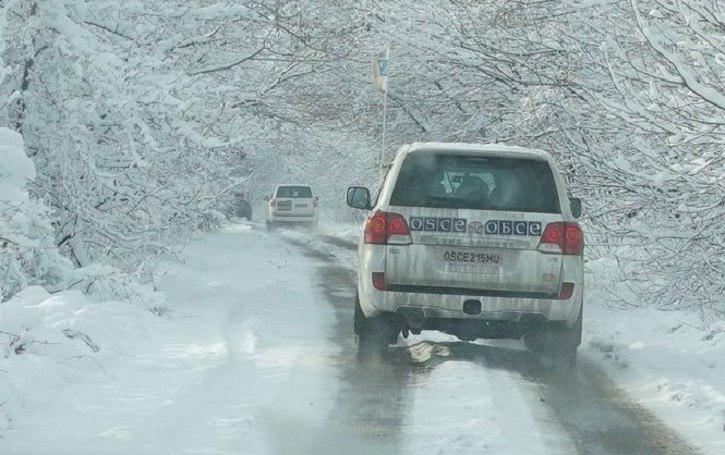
(479,241)
(292,204)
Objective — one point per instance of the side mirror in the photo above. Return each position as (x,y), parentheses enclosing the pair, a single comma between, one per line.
(575,204)
(267,198)
(358,197)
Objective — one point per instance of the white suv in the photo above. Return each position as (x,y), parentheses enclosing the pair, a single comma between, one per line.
(292,204)
(479,241)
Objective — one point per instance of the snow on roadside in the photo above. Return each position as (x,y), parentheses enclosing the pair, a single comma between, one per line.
(51,341)
(238,364)
(346,231)
(666,362)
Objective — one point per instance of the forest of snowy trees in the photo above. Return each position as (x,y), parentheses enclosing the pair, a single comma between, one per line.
(123,124)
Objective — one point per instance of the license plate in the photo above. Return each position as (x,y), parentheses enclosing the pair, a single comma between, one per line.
(471,261)
(284,205)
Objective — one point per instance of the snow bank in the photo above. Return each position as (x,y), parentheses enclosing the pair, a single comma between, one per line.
(669,361)
(48,342)
(241,365)
(346,231)
(666,362)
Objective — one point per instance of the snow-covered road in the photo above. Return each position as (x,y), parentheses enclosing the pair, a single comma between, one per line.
(258,358)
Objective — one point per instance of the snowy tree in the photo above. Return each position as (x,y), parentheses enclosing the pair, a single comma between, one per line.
(127,172)
(666,66)
(27,253)
(141,115)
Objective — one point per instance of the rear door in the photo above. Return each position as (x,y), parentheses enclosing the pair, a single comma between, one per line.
(295,201)
(475,222)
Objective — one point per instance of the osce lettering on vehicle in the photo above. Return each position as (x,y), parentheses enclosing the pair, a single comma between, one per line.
(456,225)
(521,228)
(508,227)
(461,226)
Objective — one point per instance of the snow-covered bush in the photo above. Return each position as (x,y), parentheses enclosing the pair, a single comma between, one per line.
(27,252)
(212,220)
(48,342)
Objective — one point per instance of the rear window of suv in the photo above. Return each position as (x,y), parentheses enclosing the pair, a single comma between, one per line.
(474,182)
(294,192)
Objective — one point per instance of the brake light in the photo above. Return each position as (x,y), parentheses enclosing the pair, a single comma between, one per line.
(553,234)
(383,228)
(573,239)
(564,238)
(379,281)
(566,291)
(375,228)
(273,202)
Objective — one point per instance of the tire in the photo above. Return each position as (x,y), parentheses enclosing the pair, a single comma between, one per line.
(570,339)
(558,342)
(269,225)
(374,335)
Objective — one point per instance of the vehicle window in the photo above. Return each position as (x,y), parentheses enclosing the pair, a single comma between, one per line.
(483,183)
(294,191)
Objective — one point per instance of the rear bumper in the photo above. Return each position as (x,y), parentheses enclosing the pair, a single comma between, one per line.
(418,307)
(447,303)
(288,218)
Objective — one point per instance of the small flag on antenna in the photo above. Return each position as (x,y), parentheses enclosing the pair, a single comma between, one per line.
(380,64)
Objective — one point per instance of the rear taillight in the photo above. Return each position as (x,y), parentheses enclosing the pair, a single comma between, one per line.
(573,239)
(564,238)
(566,291)
(383,228)
(376,228)
(273,203)
(379,281)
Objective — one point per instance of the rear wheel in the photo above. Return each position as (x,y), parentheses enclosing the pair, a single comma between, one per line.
(374,334)
(558,342)
(269,225)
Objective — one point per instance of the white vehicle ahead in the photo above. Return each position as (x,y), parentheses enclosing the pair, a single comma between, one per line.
(292,204)
(479,241)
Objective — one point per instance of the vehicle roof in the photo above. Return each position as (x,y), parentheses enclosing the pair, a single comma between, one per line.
(483,149)
(294,184)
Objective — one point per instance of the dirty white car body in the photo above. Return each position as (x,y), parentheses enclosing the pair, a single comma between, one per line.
(474,272)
